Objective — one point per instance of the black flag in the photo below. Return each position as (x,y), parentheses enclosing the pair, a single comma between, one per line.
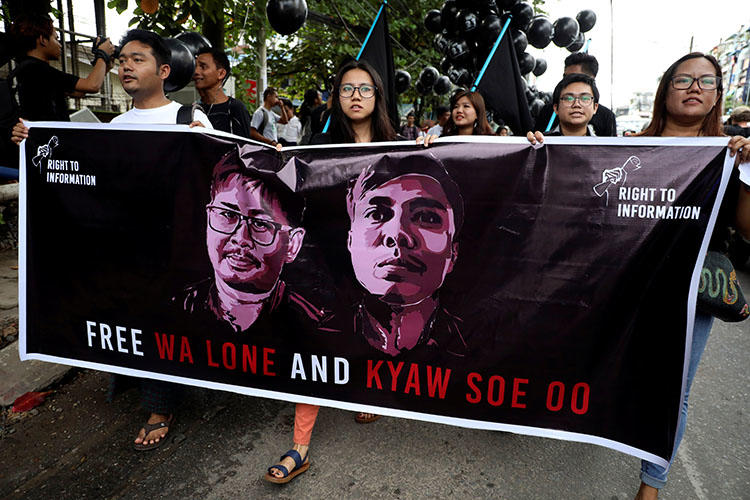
(377,51)
(503,90)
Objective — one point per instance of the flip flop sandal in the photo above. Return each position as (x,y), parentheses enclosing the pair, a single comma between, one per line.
(300,466)
(371,417)
(152,427)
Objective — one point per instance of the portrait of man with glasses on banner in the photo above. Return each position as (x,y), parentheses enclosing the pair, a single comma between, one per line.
(253,229)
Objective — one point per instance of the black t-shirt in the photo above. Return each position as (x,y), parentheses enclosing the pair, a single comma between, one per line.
(603,121)
(230,116)
(42,89)
(318,119)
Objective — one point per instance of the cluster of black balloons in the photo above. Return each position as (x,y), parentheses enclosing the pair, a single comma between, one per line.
(429,80)
(466,30)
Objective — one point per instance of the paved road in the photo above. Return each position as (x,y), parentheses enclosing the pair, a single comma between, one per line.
(77,446)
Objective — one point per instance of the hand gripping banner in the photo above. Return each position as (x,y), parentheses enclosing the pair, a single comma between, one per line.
(478,283)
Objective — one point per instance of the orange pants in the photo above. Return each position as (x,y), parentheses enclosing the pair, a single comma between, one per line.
(304,421)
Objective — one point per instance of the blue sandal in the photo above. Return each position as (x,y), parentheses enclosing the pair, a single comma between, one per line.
(300,466)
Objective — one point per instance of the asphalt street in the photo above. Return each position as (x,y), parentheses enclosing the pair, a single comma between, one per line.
(78,446)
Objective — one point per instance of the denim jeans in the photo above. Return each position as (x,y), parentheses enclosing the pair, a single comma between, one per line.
(656,475)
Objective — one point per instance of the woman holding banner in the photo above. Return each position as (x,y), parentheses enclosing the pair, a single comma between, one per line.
(358,115)
(688,104)
(468,115)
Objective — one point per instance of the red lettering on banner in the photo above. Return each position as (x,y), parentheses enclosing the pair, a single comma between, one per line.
(229,355)
(496,379)
(267,363)
(477,397)
(560,387)
(394,373)
(185,351)
(249,359)
(372,374)
(165,346)
(518,393)
(412,381)
(580,410)
(208,352)
(437,382)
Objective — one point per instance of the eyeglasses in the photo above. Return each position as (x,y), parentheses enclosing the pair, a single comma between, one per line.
(261,231)
(365,91)
(705,82)
(583,99)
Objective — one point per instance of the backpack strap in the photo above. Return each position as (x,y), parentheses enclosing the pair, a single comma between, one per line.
(186,113)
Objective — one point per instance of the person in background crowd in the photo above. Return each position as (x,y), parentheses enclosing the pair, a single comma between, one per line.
(468,115)
(688,104)
(358,115)
(226,113)
(410,130)
(502,130)
(575,99)
(263,125)
(603,121)
(290,132)
(311,101)
(42,89)
(739,122)
(443,114)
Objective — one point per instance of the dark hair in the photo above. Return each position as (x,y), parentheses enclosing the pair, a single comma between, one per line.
(308,102)
(26,30)
(268,91)
(220,59)
(711,125)
(440,110)
(159,48)
(264,167)
(575,78)
(380,124)
(481,125)
(389,167)
(588,62)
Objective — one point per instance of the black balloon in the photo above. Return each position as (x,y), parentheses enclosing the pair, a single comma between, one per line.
(441,44)
(526,63)
(182,65)
(490,30)
(442,85)
(578,43)
(506,4)
(429,76)
(458,50)
(402,80)
(422,88)
(467,22)
(566,31)
(536,107)
(195,41)
(432,21)
(460,76)
(445,65)
(522,13)
(519,41)
(539,33)
(586,20)
(448,16)
(540,66)
(286,16)
(546,97)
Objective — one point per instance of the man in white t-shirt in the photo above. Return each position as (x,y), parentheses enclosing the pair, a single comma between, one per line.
(290,133)
(263,124)
(443,115)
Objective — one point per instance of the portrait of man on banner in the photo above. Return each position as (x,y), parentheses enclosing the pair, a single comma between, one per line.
(405,215)
(253,229)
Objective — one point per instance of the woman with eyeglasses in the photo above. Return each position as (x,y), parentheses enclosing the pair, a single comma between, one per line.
(688,103)
(468,115)
(358,115)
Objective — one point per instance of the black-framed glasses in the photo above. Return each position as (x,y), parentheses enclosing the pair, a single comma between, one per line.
(226,221)
(584,99)
(705,82)
(365,91)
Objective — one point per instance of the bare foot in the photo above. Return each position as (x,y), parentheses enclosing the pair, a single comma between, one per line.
(156,435)
(646,492)
(288,462)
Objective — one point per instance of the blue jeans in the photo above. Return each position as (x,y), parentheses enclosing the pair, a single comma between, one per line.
(656,475)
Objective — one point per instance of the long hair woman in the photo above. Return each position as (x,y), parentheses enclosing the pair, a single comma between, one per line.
(688,104)
(468,115)
(358,114)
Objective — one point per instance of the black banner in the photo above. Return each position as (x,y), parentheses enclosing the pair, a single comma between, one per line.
(482,283)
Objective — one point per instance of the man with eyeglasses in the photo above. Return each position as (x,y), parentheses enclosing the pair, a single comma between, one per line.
(575,100)
(253,229)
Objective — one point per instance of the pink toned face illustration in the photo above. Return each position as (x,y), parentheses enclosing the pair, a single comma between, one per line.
(401,239)
(238,260)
